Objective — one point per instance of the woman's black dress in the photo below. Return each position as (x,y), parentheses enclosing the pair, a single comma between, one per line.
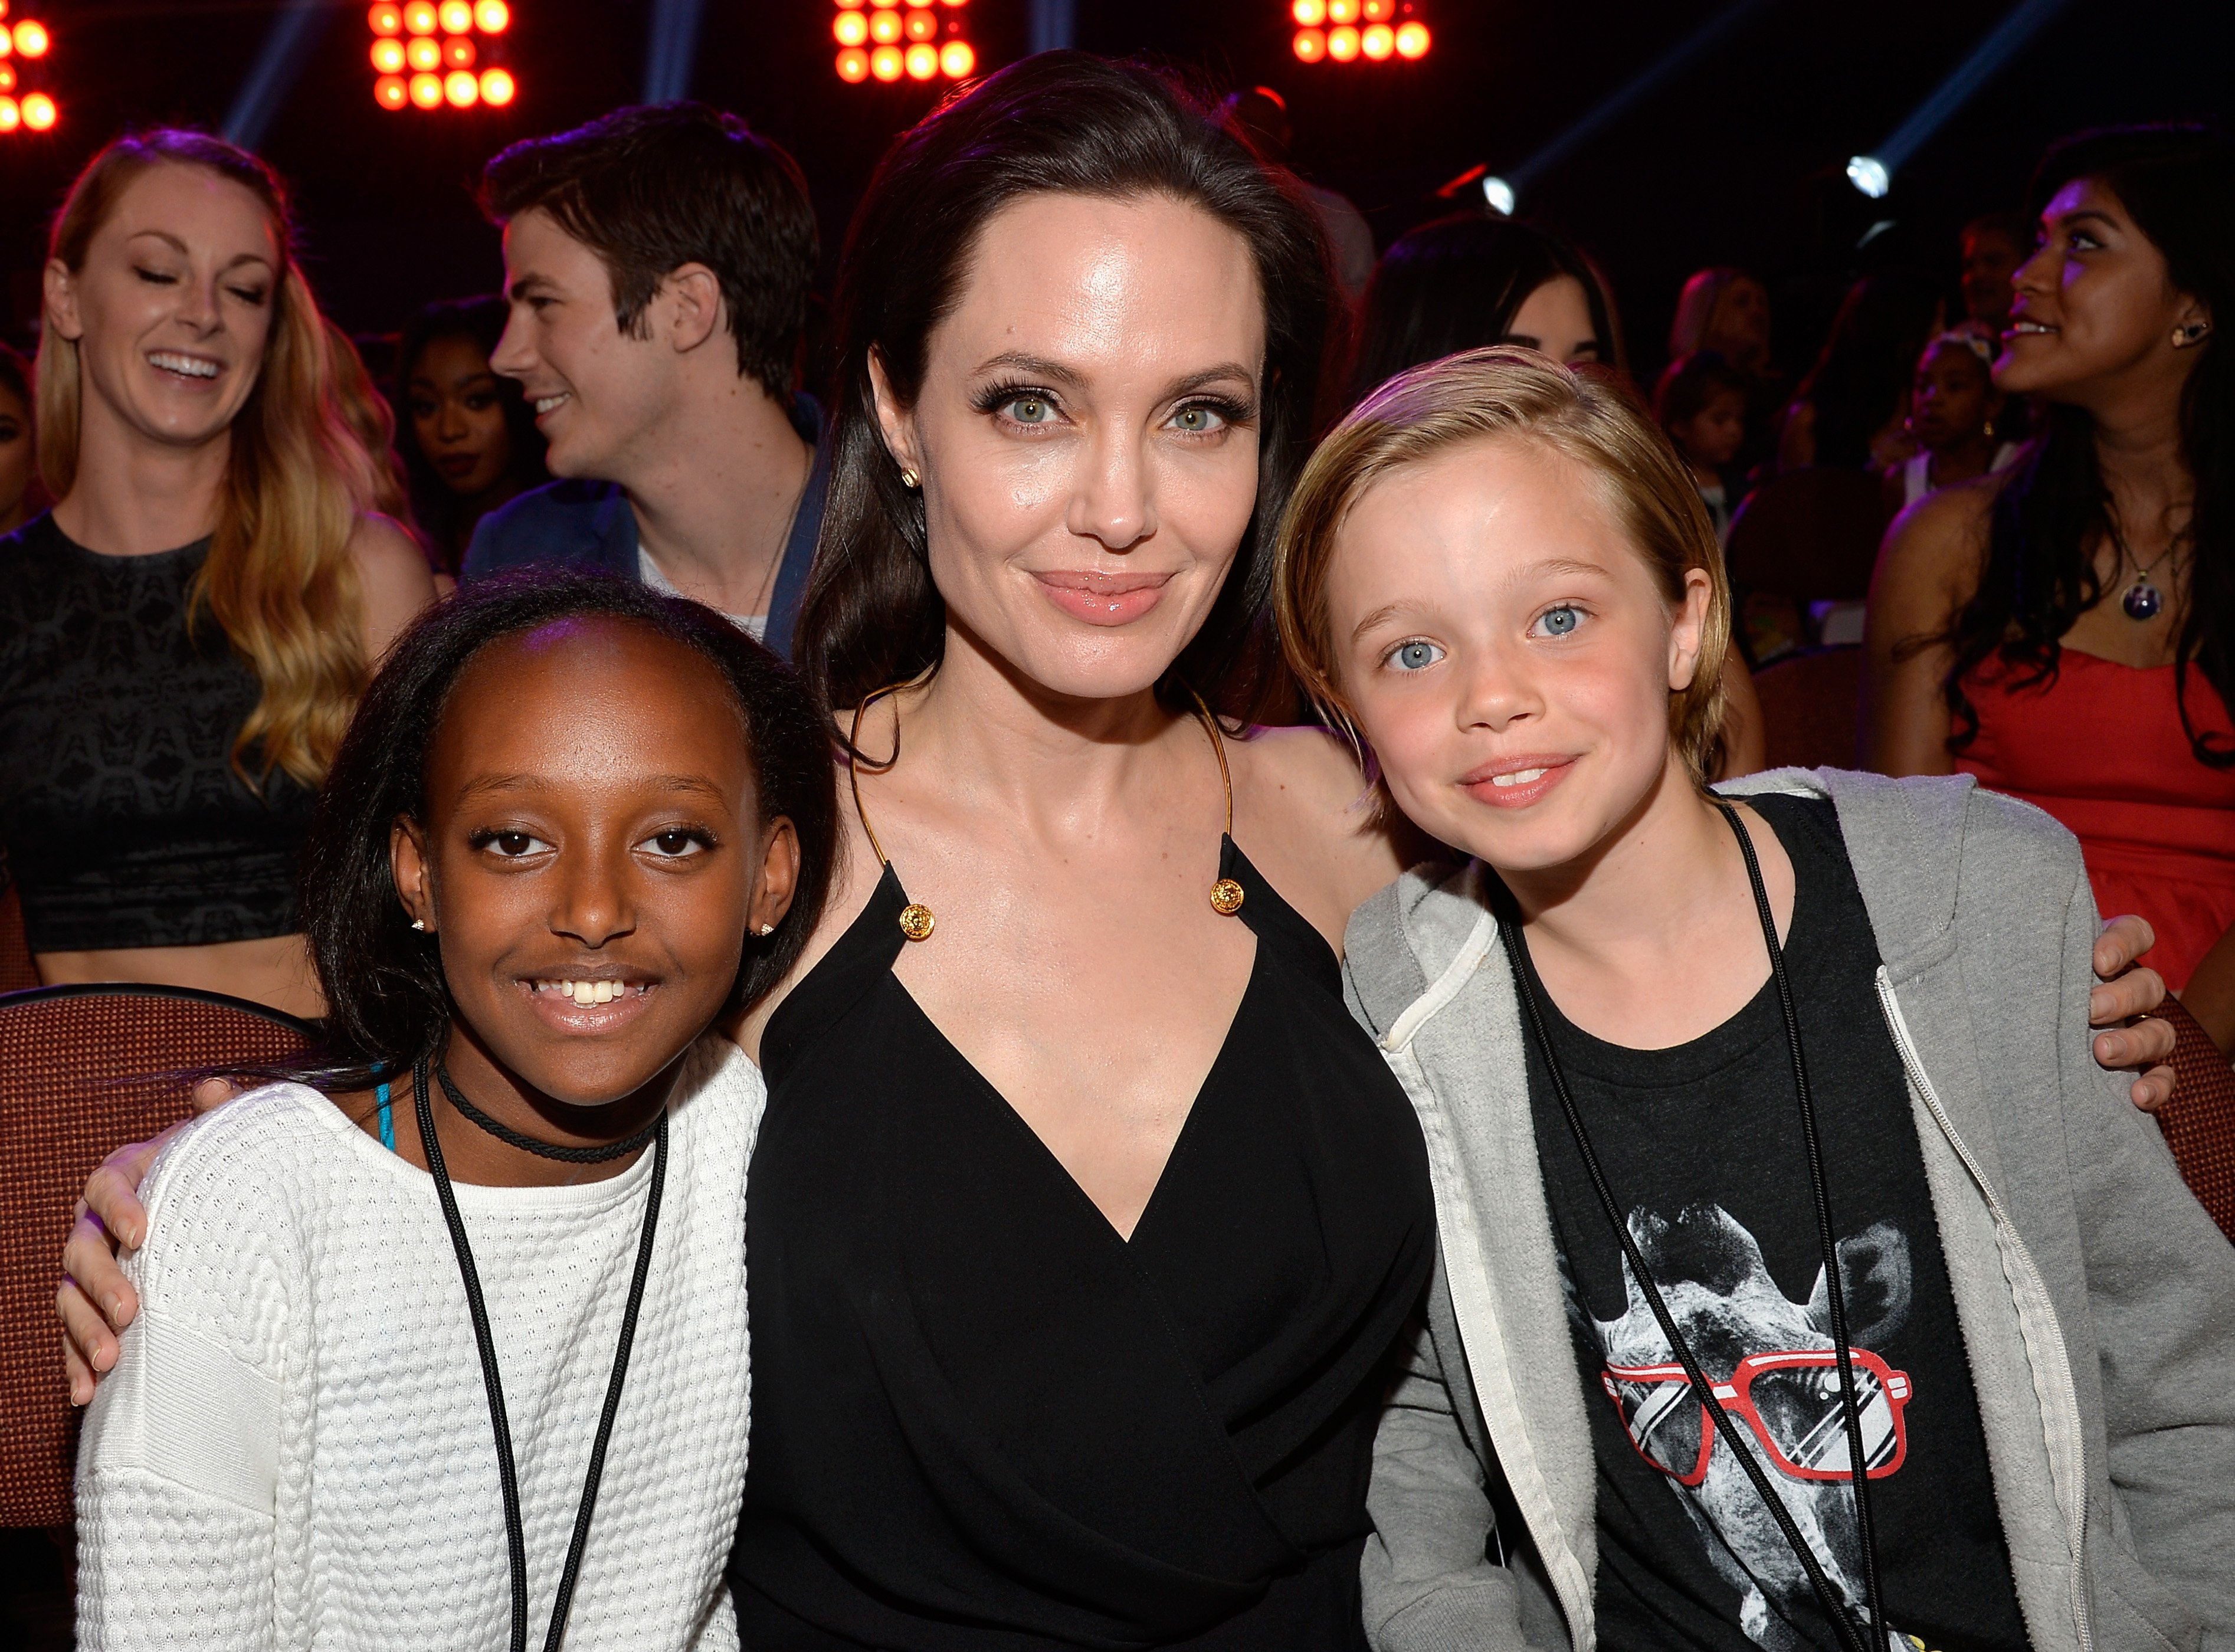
(983,1421)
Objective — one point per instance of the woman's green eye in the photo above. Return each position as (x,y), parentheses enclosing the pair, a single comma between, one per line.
(1414,655)
(1029,409)
(1197,421)
(1559,622)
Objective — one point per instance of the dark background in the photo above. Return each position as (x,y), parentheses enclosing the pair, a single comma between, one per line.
(1737,159)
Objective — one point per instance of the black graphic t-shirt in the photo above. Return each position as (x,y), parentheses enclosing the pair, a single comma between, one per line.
(1702,1145)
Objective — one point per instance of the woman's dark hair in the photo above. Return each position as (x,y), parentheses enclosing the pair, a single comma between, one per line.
(439,510)
(1857,383)
(2177,184)
(15,376)
(1456,285)
(1690,382)
(1063,123)
(387,1003)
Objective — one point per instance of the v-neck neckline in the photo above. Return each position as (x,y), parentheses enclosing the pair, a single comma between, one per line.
(891,892)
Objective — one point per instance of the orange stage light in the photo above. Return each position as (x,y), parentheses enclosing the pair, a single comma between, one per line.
(385,18)
(885,63)
(956,60)
(1378,42)
(849,28)
(388,55)
(456,17)
(851,5)
(1311,45)
(1412,40)
(39,112)
(427,91)
(419,17)
(492,16)
(424,54)
(922,25)
(458,52)
(1308,13)
(1379,10)
(461,90)
(31,41)
(922,62)
(1341,11)
(1342,43)
(955,3)
(11,115)
(498,87)
(853,65)
(7,78)
(884,27)
(390,92)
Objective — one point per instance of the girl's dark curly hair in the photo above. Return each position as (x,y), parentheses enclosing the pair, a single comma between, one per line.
(387,1002)
(2178,182)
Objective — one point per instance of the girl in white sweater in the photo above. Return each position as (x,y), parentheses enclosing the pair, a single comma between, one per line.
(450,1350)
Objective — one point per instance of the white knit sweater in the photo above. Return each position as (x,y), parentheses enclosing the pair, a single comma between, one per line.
(295,1451)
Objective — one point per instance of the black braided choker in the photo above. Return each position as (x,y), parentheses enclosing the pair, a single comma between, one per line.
(512,1138)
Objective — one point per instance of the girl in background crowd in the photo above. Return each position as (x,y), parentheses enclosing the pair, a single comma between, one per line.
(574,824)
(1849,409)
(2066,630)
(1763,1144)
(1701,403)
(1953,410)
(1470,281)
(469,441)
(18,467)
(183,637)
(1726,309)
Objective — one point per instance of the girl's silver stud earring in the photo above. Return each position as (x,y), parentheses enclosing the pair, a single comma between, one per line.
(767,929)
(418,923)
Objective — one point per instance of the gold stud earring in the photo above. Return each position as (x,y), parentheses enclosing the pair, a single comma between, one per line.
(2191,333)
(910,480)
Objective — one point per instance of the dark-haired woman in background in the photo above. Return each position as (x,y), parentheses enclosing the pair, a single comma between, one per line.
(1473,279)
(2066,630)
(17,463)
(468,438)
(1849,409)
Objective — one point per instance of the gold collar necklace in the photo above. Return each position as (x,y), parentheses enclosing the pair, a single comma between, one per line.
(917,919)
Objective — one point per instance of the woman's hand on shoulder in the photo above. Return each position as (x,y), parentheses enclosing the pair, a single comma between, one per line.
(1928,567)
(394,582)
(1304,813)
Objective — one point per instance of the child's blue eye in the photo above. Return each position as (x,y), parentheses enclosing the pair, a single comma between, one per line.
(1561,621)
(1414,655)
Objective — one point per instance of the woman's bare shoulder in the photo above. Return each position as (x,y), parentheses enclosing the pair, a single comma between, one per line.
(1935,547)
(1302,799)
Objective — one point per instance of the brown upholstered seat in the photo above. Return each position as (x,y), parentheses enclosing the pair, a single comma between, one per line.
(1809,704)
(84,1070)
(2200,1121)
(1809,534)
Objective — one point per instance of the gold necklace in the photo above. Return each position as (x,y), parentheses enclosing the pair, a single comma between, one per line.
(917,920)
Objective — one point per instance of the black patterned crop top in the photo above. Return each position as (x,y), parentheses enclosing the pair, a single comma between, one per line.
(124,823)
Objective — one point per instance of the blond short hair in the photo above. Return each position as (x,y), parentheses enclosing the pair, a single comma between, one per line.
(1591,416)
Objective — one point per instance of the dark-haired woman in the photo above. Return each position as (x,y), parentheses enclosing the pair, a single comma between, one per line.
(2066,630)
(17,468)
(1849,409)
(1472,280)
(467,436)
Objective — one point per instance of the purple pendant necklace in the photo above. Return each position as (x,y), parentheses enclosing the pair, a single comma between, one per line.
(2143,599)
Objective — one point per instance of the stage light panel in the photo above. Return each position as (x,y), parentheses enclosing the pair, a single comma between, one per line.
(956,60)
(456,17)
(461,89)
(1342,11)
(849,28)
(853,65)
(498,87)
(385,19)
(1311,45)
(420,18)
(492,16)
(424,53)
(922,25)
(427,91)
(388,55)
(39,112)
(390,92)
(458,52)
(31,41)
(1413,40)
(1379,10)
(885,27)
(1308,13)
(1342,43)
(885,63)
(1346,31)
(896,40)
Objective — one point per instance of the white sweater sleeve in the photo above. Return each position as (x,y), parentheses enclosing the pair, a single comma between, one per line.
(178,1468)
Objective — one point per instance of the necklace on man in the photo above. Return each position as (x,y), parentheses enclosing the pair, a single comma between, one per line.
(2143,599)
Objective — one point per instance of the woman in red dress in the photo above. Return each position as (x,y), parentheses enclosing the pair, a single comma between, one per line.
(2066,630)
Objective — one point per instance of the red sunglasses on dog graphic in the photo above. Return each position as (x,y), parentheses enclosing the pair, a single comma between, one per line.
(1790,1399)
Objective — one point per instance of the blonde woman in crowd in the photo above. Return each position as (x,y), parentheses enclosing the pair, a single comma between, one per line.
(184,635)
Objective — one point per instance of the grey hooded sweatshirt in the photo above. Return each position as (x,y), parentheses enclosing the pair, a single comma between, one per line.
(2096,1298)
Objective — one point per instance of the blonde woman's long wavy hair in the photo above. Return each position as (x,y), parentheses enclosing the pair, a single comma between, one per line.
(278,580)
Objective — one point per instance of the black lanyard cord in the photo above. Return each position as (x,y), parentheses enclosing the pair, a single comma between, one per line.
(1835,1608)
(507,1474)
